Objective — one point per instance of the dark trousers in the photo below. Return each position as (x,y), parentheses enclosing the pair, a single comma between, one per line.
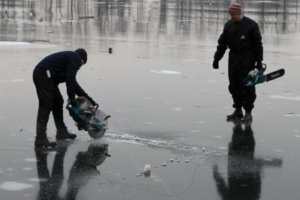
(242,96)
(50,99)
(239,66)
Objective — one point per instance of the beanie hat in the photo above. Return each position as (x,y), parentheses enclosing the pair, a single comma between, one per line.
(235,9)
(82,53)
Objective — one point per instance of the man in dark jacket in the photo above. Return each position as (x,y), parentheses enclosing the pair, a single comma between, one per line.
(52,70)
(242,36)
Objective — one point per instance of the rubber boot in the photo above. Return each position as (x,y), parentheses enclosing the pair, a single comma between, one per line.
(63,134)
(237,114)
(248,117)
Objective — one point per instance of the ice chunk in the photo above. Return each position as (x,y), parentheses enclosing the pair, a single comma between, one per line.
(147,170)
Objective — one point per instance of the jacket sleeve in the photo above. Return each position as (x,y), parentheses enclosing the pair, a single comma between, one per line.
(73,88)
(71,82)
(80,92)
(222,45)
(257,43)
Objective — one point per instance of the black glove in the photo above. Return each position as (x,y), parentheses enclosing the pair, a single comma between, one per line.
(73,102)
(259,66)
(216,64)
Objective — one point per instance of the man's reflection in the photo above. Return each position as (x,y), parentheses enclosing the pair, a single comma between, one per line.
(50,183)
(84,168)
(244,170)
(244,181)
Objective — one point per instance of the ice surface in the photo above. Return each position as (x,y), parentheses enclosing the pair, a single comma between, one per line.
(147,170)
(292,98)
(17,80)
(161,63)
(13,43)
(15,186)
(165,72)
(30,159)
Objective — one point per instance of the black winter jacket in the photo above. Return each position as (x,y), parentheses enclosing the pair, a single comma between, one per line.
(240,37)
(63,67)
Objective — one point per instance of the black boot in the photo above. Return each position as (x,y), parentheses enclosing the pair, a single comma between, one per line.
(237,114)
(43,142)
(248,117)
(41,139)
(63,133)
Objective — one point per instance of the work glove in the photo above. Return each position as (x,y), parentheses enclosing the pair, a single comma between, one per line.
(216,64)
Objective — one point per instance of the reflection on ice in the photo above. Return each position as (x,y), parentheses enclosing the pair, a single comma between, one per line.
(189,60)
(212,81)
(30,159)
(34,180)
(14,186)
(17,80)
(178,109)
(244,170)
(165,72)
(292,98)
(12,43)
(158,19)
(82,171)
(292,115)
(27,168)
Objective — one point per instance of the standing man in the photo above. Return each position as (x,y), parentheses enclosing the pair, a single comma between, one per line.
(52,70)
(242,36)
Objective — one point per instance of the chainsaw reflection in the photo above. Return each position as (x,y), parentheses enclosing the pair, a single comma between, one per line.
(244,169)
(83,169)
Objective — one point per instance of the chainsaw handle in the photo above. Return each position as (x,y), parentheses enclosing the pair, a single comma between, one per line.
(96,106)
(264,67)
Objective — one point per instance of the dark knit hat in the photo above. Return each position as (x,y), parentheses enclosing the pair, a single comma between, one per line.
(82,53)
(235,9)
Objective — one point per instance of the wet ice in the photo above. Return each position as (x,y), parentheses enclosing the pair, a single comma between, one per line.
(165,72)
(13,43)
(291,98)
(141,131)
(15,186)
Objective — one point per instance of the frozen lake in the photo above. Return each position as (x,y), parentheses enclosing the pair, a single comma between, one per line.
(168,105)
